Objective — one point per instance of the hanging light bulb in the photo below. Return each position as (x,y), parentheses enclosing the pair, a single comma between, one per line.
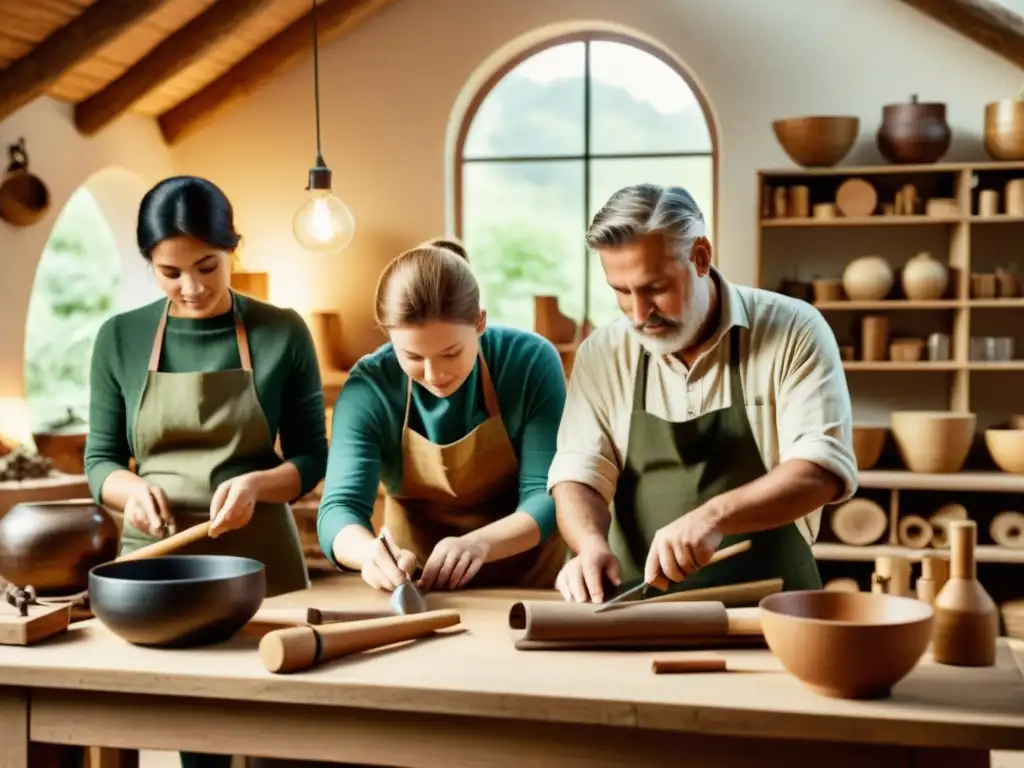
(323,223)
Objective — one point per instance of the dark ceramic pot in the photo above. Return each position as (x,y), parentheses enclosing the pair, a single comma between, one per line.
(177,601)
(53,545)
(914,132)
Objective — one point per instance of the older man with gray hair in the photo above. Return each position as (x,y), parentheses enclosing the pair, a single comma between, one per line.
(710,414)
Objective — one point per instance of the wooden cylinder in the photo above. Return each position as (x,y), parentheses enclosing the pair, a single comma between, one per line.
(926,590)
(799,201)
(874,337)
(1015,197)
(892,576)
(781,203)
(693,664)
(824,211)
(988,202)
(298,648)
(936,568)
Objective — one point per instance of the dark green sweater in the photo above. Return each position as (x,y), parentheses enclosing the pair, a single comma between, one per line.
(366,437)
(285,370)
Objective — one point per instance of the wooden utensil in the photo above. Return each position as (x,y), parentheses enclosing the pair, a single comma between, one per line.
(688,665)
(301,648)
(639,592)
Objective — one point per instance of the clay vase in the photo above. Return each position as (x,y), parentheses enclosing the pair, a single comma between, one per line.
(868,278)
(914,132)
(966,617)
(1004,129)
(924,278)
(52,545)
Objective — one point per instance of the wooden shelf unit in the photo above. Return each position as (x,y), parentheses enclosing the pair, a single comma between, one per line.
(805,248)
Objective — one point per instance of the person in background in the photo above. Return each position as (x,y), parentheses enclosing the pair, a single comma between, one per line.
(459,421)
(710,414)
(196,387)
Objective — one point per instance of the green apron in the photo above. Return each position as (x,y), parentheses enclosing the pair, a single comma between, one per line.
(672,468)
(192,432)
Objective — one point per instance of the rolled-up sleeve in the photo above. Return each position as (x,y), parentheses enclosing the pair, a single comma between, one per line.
(814,413)
(586,452)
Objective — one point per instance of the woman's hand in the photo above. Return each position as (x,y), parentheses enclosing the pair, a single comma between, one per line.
(379,569)
(148,511)
(453,563)
(233,504)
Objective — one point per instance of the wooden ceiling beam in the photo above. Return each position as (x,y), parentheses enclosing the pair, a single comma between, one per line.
(27,78)
(260,66)
(186,46)
(987,23)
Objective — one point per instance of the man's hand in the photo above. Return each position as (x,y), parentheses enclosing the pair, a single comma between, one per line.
(582,579)
(683,546)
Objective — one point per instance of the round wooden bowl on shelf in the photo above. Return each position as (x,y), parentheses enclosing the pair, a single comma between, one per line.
(1006,447)
(868,442)
(849,645)
(1004,129)
(935,442)
(816,141)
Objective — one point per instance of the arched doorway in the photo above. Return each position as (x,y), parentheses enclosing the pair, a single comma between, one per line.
(89,270)
(545,142)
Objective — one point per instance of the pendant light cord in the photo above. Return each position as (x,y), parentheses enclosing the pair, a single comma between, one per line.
(316,84)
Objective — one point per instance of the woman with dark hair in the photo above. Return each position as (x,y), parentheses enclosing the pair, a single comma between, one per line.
(459,420)
(195,388)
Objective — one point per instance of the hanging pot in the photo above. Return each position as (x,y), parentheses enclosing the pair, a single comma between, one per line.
(24,199)
(914,132)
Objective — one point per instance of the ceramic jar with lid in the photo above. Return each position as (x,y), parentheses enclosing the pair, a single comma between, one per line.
(914,132)
(924,278)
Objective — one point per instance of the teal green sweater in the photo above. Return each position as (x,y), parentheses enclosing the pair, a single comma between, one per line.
(285,370)
(366,436)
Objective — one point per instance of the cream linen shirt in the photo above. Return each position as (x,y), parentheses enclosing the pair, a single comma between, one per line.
(797,399)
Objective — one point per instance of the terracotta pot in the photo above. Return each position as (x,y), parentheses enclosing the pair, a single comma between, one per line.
(914,132)
(868,278)
(1004,129)
(924,278)
(52,545)
(880,638)
(816,141)
(933,441)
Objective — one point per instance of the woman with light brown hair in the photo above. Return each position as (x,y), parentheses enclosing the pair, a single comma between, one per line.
(459,420)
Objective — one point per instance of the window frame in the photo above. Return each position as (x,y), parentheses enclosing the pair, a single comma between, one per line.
(587,155)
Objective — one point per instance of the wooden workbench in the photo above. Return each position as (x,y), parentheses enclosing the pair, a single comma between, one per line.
(472,699)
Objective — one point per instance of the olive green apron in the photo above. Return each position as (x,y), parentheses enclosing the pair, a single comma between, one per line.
(672,468)
(192,432)
(450,490)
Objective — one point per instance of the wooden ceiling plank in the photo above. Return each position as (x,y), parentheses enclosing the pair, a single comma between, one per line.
(184,47)
(27,78)
(987,23)
(260,66)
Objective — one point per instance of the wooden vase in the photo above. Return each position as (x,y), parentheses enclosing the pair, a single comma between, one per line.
(966,617)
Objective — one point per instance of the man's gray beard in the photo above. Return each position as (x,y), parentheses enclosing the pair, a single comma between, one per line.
(664,343)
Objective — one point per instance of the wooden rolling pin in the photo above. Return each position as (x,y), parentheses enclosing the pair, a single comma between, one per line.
(171,543)
(301,648)
(270,619)
(688,665)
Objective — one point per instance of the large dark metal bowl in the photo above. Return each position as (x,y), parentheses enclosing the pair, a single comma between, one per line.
(177,601)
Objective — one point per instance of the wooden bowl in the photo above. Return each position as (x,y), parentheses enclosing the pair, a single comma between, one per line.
(848,645)
(816,141)
(1006,446)
(1004,129)
(933,441)
(868,443)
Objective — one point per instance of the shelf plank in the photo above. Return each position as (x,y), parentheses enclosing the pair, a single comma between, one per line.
(897,304)
(888,366)
(849,553)
(998,219)
(902,480)
(930,169)
(1009,365)
(996,303)
(864,221)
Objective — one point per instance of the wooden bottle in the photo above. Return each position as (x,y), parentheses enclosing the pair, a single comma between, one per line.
(966,617)
(934,575)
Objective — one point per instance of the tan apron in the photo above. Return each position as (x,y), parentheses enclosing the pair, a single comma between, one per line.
(450,490)
(192,432)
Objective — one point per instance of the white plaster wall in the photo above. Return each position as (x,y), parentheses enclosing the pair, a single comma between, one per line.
(389,89)
(133,156)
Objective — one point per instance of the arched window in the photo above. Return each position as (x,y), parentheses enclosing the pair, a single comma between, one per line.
(545,143)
